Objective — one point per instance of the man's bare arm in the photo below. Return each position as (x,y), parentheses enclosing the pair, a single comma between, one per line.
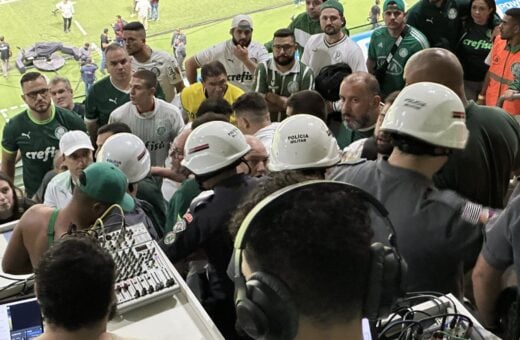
(8,163)
(191,67)
(371,65)
(16,258)
(486,288)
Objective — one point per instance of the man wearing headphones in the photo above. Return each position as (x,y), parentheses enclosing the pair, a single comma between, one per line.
(291,284)
(438,232)
(212,152)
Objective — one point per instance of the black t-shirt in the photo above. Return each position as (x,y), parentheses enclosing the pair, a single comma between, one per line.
(104,40)
(474,46)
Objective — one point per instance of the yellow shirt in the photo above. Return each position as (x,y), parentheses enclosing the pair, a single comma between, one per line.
(193,95)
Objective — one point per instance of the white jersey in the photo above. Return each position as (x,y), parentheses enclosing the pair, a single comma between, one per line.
(157,129)
(165,68)
(66,9)
(318,54)
(237,72)
(266,134)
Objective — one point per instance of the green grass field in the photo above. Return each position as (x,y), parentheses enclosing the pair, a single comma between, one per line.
(25,22)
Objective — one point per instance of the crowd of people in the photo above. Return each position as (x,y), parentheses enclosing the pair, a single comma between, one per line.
(261,176)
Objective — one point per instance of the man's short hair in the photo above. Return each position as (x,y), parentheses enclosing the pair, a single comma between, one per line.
(150,79)
(310,102)
(515,14)
(30,76)
(114,47)
(58,79)
(115,128)
(75,283)
(208,117)
(216,105)
(284,33)
(212,69)
(253,104)
(134,26)
(368,79)
(105,30)
(337,227)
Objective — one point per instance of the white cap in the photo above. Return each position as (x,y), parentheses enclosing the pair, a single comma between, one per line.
(243,21)
(72,141)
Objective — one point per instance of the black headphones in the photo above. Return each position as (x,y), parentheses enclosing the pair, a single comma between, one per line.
(263,303)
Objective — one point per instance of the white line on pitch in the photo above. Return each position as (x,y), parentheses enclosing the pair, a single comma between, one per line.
(79,27)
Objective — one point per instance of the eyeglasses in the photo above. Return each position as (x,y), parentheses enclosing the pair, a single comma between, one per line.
(283,47)
(34,94)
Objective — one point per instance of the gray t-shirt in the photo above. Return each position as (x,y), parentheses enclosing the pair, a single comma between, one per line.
(502,246)
(437,231)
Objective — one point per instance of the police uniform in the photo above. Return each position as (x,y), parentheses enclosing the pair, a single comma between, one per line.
(442,26)
(437,231)
(204,227)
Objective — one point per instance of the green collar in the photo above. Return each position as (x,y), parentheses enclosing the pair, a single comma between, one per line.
(31,115)
(513,49)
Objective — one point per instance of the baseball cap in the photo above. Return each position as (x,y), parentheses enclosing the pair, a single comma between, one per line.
(106,183)
(398,3)
(74,140)
(332,4)
(242,21)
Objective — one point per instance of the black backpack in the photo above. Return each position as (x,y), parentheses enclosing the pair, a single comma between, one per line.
(329,79)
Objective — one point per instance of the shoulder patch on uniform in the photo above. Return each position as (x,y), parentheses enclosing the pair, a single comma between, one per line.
(201,200)
(170,237)
(180,226)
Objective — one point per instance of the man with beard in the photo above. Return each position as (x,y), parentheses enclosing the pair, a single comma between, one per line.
(370,148)
(360,105)
(35,132)
(407,41)
(282,76)
(238,55)
(69,269)
(161,63)
(504,62)
(332,46)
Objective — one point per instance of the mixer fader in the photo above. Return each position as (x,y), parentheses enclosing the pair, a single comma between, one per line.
(144,273)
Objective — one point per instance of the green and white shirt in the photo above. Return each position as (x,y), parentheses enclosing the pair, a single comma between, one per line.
(157,129)
(380,45)
(319,53)
(38,141)
(165,67)
(269,79)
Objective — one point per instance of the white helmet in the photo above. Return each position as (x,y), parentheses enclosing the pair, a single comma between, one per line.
(303,141)
(213,146)
(128,153)
(429,112)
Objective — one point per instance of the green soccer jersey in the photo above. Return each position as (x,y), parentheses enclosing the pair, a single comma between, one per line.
(102,99)
(380,45)
(269,79)
(38,141)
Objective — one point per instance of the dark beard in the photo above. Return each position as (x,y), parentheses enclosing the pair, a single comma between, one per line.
(284,61)
(237,43)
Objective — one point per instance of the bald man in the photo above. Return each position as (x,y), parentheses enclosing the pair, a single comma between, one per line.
(481,172)
(256,158)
